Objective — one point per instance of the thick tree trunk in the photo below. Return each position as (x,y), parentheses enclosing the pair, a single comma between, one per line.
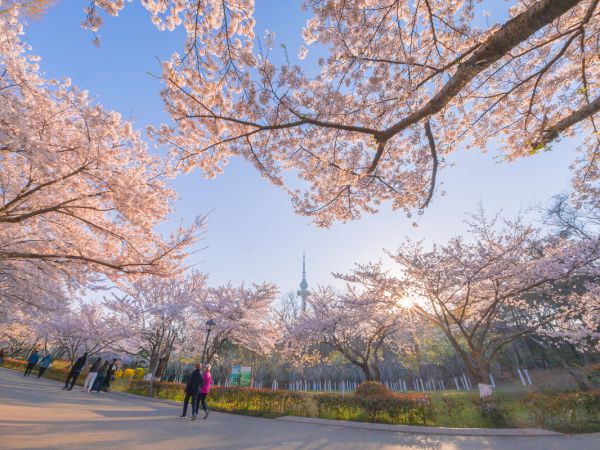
(479,368)
(376,373)
(153,363)
(161,367)
(367,372)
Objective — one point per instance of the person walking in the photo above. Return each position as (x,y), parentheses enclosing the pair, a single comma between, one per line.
(112,368)
(205,389)
(99,383)
(31,361)
(89,380)
(1,355)
(44,364)
(75,371)
(192,390)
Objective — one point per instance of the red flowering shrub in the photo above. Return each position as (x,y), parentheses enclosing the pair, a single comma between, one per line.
(371,388)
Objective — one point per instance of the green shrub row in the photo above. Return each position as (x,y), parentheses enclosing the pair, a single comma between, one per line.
(387,408)
(380,405)
(571,410)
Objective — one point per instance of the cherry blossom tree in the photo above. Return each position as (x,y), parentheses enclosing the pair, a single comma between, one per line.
(356,323)
(242,316)
(17,334)
(29,8)
(401,85)
(27,288)
(155,314)
(289,308)
(478,290)
(86,328)
(79,192)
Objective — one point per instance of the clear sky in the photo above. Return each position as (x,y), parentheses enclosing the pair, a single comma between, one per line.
(253,234)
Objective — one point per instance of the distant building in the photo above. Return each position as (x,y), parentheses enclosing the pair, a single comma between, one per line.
(303,292)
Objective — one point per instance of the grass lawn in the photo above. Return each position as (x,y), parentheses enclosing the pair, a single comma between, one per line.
(457,409)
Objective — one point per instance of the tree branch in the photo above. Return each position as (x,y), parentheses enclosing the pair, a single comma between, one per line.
(434,158)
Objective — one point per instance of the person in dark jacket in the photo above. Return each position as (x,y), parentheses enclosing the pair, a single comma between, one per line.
(99,383)
(31,361)
(112,368)
(192,390)
(75,371)
(44,364)
(89,380)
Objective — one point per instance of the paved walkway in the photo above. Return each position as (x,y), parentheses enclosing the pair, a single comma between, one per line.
(38,414)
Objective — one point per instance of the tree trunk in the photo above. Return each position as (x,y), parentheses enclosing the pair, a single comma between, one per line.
(161,367)
(376,373)
(545,361)
(152,365)
(576,374)
(367,372)
(481,369)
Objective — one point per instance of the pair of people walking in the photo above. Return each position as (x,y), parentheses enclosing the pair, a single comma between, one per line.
(33,359)
(197,389)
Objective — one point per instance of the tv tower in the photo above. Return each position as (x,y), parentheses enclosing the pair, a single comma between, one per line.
(303,292)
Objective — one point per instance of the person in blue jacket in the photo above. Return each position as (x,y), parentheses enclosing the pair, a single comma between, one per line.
(31,361)
(44,364)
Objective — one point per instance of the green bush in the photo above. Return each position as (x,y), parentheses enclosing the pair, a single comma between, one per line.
(398,408)
(452,403)
(563,410)
(492,409)
(390,408)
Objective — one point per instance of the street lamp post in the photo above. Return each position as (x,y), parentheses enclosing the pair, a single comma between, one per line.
(209,325)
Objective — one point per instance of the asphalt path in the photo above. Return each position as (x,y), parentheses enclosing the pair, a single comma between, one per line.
(37,414)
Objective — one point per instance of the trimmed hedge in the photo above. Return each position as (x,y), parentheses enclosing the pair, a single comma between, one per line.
(564,410)
(394,408)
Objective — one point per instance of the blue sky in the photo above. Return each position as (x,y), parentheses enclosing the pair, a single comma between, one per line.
(253,234)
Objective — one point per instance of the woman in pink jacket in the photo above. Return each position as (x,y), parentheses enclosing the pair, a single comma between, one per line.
(205,389)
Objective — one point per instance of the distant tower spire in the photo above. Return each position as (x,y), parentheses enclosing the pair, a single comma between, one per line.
(303,266)
(303,292)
